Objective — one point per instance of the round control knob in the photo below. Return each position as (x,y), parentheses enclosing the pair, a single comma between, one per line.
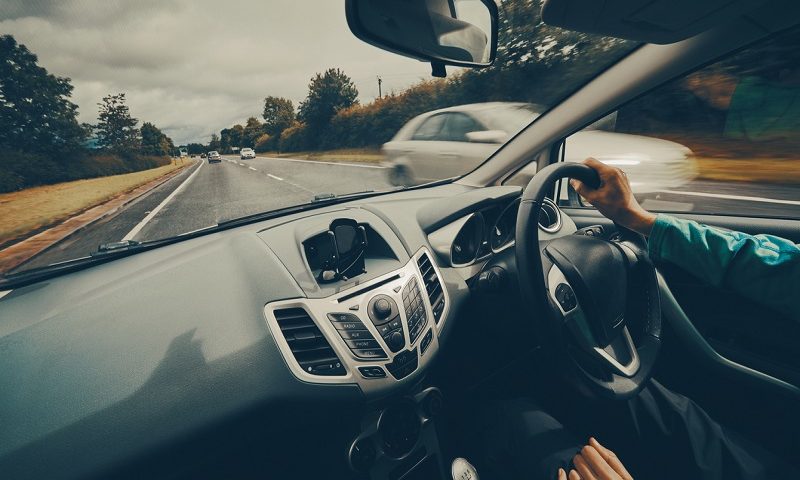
(382,308)
(396,341)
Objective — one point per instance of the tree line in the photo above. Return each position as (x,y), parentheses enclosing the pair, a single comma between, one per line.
(540,64)
(532,61)
(42,141)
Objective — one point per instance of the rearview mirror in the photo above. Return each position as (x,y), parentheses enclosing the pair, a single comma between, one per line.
(452,32)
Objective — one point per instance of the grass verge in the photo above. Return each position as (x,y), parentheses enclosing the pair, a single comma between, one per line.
(34,208)
(360,155)
(761,170)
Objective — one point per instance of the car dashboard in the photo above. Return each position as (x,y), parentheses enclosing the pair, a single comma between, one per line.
(111,370)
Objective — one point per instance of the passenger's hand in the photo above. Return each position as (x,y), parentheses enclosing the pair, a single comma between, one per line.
(595,462)
(614,198)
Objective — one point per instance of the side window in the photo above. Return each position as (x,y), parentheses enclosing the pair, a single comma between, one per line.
(724,139)
(457,127)
(430,128)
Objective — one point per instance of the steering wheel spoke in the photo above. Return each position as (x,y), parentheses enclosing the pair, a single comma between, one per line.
(619,355)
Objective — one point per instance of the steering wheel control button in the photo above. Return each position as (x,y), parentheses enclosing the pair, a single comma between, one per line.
(415,309)
(372,372)
(403,364)
(354,308)
(566,297)
(426,342)
(381,309)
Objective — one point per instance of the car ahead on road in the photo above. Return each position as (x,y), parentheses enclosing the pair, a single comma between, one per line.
(452,141)
(246,153)
(202,155)
(213,157)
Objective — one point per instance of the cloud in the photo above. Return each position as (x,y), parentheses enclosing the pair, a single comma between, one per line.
(193,67)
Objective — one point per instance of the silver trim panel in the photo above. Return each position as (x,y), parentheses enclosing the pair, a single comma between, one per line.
(319,308)
(555,277)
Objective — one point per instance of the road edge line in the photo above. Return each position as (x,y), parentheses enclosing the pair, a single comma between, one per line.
(139,226)
(9,260)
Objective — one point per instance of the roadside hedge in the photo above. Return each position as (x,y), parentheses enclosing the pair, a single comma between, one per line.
(19,170)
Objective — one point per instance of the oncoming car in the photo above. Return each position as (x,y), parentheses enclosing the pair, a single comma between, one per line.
(247,153)
(452,141)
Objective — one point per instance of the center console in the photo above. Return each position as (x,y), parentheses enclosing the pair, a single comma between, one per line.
(375,334)
(372,316)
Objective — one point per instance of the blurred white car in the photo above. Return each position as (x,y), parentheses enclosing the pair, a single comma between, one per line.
(247,153)
(453,141)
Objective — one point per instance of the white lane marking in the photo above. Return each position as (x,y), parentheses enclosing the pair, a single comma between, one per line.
(344,164)
(3,294)
(733,197)
(291,183)
(253,169)
(242,164)
(161,205)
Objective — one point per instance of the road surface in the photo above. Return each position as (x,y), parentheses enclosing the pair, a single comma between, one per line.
(205,194)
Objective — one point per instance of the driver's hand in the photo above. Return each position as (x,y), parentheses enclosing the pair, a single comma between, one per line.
(614,198)
(595,462)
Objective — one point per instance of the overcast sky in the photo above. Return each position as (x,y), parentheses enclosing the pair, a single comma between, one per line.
(193,67)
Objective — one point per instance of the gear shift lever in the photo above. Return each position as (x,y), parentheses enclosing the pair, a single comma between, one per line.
(463,470)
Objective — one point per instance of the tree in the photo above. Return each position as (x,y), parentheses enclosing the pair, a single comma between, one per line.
(328,93)
(35,112)
(230,137)
(252,130)
(116,129)
(154,141)
(278,115)
(214,144)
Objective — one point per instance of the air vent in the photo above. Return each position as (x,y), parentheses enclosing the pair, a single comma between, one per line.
(549,217)
(433,286)
(309,347)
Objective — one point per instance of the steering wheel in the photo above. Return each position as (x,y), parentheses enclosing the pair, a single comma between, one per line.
(599,297)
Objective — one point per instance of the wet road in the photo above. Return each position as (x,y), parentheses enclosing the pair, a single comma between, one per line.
(206,194)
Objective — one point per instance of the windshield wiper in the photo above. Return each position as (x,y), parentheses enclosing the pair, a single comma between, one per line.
(105,252)
(327,196)
(111,247)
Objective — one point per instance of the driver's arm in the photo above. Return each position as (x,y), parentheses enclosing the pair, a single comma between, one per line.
(763,268)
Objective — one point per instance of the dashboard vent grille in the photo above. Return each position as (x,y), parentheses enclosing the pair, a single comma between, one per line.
(307,343)
(433,286)
(549,217)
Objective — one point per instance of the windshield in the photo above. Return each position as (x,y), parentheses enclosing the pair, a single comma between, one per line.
(112,114)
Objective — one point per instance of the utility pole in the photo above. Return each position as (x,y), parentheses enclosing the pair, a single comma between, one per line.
(380,80)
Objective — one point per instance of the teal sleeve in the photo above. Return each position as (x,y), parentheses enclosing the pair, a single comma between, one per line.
(763,268)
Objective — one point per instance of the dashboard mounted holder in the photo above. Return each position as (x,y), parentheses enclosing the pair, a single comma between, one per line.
(338,254)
